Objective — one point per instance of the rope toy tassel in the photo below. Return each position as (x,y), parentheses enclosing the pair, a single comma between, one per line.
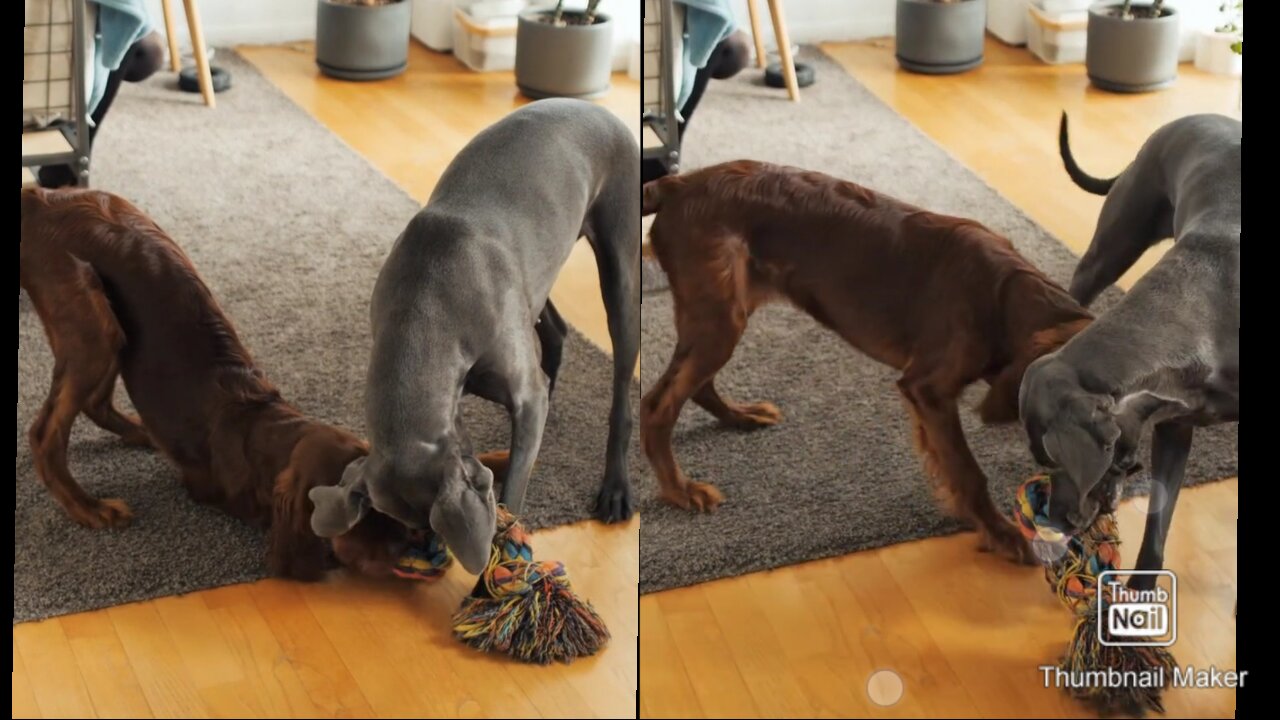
(1072,566)
(525,608)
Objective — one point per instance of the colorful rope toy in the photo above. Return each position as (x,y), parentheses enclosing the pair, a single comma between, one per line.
(1072,566)
(521,607)
(426,559)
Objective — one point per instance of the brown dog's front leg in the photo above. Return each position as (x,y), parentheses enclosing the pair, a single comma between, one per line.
(101,409)
(948,454)
(659,410)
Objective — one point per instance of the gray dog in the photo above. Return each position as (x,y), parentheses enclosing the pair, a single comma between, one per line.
(1169,352)
(456,310)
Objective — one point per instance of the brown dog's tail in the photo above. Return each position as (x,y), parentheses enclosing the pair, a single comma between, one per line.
(1086,182)
(652,194)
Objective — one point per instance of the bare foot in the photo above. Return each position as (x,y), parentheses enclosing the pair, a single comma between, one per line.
(110,513)
(753,416)
(702,497)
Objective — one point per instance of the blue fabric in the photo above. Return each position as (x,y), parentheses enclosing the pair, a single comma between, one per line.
(706,23)
(121,23)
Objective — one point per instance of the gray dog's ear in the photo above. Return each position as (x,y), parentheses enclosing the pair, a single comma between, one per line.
(1078,454)
(1137,408)
(339,507)
(465,515)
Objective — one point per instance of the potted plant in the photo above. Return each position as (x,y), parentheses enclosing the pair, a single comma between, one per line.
(940,37)
(1221,50)
(362,39)
(564,53)
(1132,48)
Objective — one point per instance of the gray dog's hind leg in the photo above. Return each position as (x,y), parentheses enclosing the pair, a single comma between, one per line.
(1135,216)
(1170,446)
(552,331)
(616,241)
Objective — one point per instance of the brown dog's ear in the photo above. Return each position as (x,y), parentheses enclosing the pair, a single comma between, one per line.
(1001,402)
(294,551)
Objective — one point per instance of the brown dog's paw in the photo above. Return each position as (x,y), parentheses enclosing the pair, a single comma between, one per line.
(136,435)
(704,497)
(1006,541)
(110,513)
(701,497)
(139,439)
(755,415)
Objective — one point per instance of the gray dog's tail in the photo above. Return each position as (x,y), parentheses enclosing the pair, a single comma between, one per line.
(1086,182)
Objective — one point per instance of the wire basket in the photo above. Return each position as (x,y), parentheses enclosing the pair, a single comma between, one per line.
(660,126)
(56,45)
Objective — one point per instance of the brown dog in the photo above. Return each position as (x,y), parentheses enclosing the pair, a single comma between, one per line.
(943,299)
(117,297)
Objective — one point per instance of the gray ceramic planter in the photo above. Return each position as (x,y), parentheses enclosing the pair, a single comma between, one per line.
(1133,55)
(354,42)
(566,61)
(940,38)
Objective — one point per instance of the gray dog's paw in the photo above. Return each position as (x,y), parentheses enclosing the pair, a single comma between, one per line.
(613,504)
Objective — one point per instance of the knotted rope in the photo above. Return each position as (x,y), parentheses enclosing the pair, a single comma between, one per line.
(519,606)
(1073,564)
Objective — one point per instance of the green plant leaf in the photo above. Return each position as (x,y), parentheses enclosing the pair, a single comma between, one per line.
(1238,47)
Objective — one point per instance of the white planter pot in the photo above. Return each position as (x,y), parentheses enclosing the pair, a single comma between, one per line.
(1007,20)
(1214,54)
(432,23)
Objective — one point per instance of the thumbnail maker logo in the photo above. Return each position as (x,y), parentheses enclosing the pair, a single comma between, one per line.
(1137,618)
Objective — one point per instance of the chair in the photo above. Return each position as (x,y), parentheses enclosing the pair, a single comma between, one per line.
(784,43)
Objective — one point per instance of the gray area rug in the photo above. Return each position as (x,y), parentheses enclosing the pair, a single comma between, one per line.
(289,227)
(839,473)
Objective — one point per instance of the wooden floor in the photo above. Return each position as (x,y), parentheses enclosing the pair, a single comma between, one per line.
(964,631)
(349,648)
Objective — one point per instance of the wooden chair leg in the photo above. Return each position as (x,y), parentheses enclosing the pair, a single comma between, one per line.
(784,49)
(170,34)
(754,11)
(198,49)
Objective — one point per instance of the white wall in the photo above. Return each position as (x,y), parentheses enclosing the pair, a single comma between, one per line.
(229,22)
(811,21)
(232,22)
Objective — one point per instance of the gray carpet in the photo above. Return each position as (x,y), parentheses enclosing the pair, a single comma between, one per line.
(839,473)
(289,227)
